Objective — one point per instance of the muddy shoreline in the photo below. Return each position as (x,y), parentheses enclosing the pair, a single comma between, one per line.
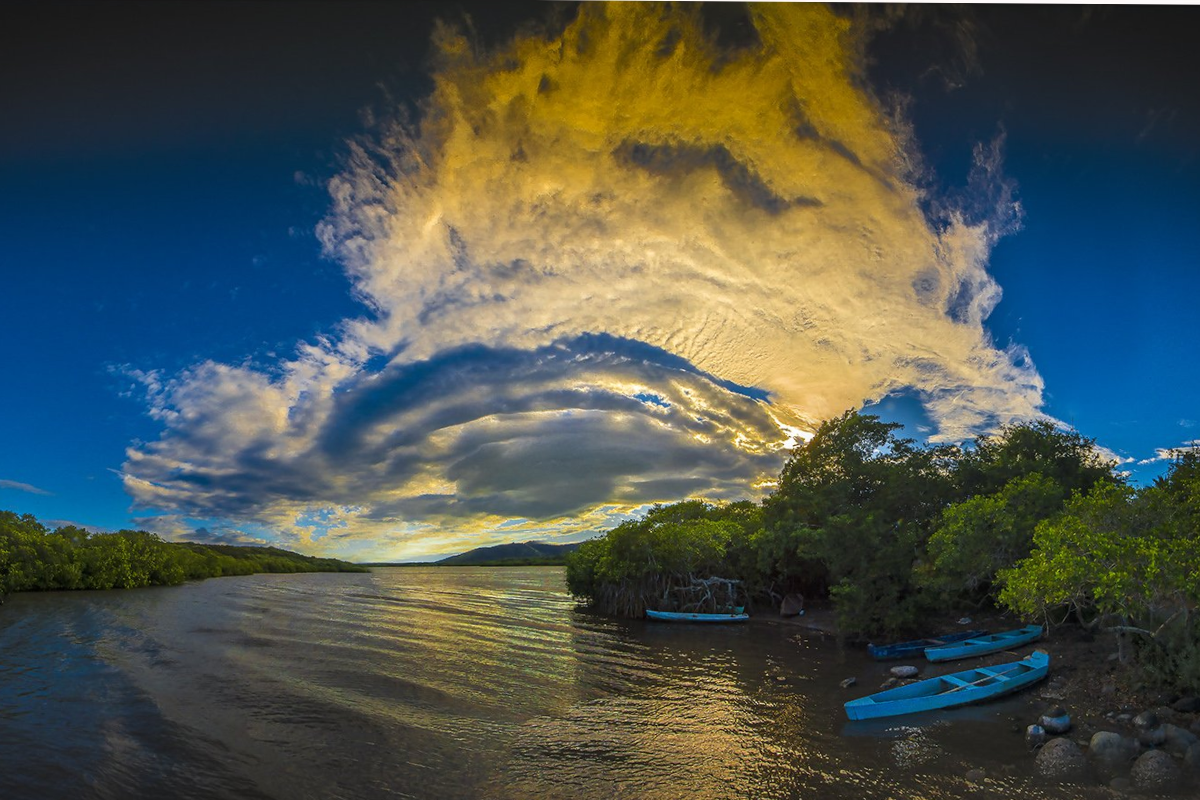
(1086,680)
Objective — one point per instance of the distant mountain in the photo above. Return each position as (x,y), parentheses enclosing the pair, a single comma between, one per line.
(502,554)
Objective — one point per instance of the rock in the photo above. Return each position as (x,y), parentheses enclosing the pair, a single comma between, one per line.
(1111,748)
(1120,785)
(1060,758)
(1126,718)
(1191,759)
(1035,735)
(1153,737)
(904,672)
(976,775)
(964,621)
(1056,721)
(1145,721)
(1187,705)
(846,684)
(888,684)
(1154,770)
(1195,726)
(1177,740)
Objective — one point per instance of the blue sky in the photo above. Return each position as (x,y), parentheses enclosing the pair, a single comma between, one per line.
(292,273)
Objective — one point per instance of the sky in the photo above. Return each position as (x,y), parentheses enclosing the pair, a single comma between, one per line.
(388,281)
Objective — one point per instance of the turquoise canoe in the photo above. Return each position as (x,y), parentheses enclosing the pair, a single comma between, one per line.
(885,652)
(949,691)
(679,616)
(982,645)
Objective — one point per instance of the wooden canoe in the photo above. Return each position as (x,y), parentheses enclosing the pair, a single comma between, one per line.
(679,616)
(949,691)
(916,647)
(982,645)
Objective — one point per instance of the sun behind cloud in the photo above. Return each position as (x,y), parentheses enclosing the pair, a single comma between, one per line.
(605,268)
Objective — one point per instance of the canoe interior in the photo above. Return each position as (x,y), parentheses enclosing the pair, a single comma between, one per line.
(948,691)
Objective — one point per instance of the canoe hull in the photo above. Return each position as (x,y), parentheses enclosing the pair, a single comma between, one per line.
(950,691)
(981,646)
(916,648)
(677,616)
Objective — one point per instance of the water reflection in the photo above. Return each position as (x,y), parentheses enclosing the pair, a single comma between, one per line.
(445,683)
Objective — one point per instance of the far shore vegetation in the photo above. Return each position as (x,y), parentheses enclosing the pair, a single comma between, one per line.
(893,535)
(33,557)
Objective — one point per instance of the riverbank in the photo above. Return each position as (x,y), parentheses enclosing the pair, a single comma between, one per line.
(1100,697)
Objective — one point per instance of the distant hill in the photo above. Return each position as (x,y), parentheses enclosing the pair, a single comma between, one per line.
(523,553)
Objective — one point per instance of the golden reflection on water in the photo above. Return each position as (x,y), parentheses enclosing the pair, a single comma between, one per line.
(449,683)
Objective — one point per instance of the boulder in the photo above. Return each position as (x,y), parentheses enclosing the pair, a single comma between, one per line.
(1111,748)
(1061,758)
(1145,721)
(1154,771)
(1177,740)
(1035,736)
(1187,705)
(1191,759)
(1154,737)
(1056,721)
(904,672)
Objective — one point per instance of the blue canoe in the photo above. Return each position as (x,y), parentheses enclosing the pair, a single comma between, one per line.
(982,645)
(948,691)
(679,616)
(884,652)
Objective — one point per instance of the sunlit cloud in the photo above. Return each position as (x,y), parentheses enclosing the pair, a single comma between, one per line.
(605,268)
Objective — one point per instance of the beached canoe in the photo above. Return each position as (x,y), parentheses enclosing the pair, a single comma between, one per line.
(916,647)
(982,645)
(949,691)
(679,616)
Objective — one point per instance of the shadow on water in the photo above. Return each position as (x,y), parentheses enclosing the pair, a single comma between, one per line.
(446,683)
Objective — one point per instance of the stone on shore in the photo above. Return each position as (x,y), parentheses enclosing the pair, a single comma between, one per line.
(1177,740)
(1154,737)
(1155,770)
(1145,721)
(904,672)
(1112,748)
(1035,735)
(1056,721)
(1060,758)
(1191,759)
(1187,705)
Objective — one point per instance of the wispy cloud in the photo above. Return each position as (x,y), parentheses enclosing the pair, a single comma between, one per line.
(1171,453)
(606,268)
(22,487)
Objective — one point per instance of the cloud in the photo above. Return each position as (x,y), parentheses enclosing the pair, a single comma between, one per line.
(22,487)
(1171,453)
(605,268)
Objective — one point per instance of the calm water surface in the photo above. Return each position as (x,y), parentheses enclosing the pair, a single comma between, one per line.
(448,683)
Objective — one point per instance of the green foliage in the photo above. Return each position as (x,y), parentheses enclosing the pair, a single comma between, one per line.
(850,517)
(976,538)
(640,561)
(1066,458)
(1125,557)
(33,558)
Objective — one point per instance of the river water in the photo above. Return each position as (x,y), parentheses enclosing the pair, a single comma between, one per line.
(449,683)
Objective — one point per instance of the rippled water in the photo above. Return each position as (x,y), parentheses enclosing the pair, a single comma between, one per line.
(446,683)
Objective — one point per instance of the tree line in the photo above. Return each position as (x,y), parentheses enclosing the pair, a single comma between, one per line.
(33,557)
(1031,520)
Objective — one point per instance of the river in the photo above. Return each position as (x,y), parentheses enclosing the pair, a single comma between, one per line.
(453,683)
